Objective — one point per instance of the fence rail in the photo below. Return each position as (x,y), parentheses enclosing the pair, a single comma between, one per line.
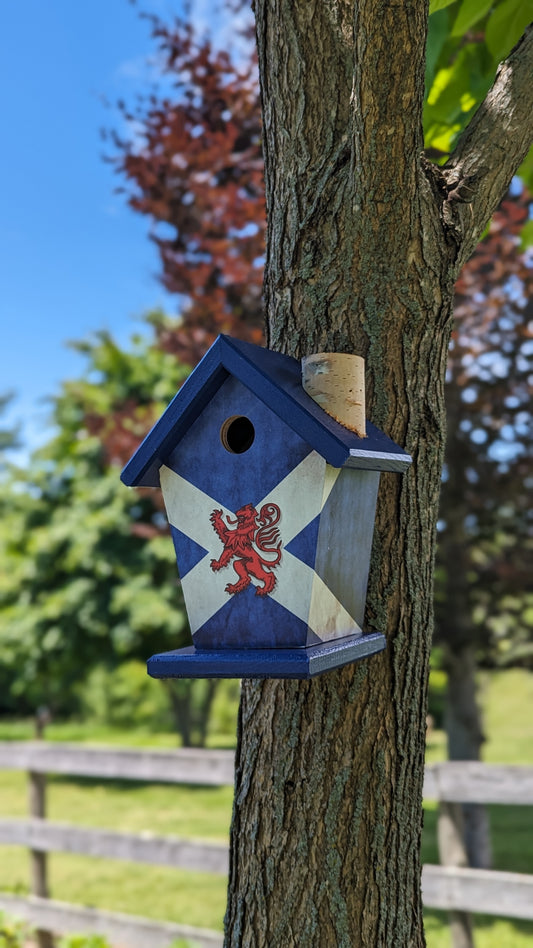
(46,836)
(470,781)
(455,888)
(478,890)
(189,766)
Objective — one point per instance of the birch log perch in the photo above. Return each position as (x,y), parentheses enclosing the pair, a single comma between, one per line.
(336,382)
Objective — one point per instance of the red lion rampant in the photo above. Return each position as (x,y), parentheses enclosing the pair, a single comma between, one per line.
(252,535)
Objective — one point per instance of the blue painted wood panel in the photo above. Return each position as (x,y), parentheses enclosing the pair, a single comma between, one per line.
(247,620)
(296,663)
(237,479)
(221,616)
(188,552)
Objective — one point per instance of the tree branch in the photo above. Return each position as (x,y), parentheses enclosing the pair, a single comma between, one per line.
(491,149)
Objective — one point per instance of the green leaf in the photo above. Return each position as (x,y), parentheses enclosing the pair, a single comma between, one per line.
(456,91)
(437,35)
(469,13)
(436,5)
(506,25)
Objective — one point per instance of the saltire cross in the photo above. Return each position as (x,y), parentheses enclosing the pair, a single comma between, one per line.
(300,496)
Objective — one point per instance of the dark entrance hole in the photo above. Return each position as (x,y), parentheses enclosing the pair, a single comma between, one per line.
(237,434)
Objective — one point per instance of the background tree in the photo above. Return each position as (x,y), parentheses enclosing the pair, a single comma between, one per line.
(198,175)
(484,613)
(87,571)
(490,432)
(194,164)
(9,436)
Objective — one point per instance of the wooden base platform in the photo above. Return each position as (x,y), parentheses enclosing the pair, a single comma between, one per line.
(300,663)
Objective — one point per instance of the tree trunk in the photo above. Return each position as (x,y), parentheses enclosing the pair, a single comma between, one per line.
(465,740)
(191,702)
(452,852)
(362,253)
(205,710)
(181,710)
(457,634)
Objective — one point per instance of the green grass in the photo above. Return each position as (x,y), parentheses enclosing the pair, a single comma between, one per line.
(489,932)
(198,899)
(512,837)
(86,732)
(202,812)
(507,701)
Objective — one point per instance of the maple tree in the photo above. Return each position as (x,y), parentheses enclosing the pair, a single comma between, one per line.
(199,176)
(88,582)
(187,172)
(458,58)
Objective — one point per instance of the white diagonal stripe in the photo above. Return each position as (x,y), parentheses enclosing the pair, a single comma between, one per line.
(327,616)
(330,479)
(189,508)
(297,496)
(294,585)
(203,594)
(303,593)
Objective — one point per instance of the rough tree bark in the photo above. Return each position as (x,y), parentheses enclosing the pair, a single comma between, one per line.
(365,239)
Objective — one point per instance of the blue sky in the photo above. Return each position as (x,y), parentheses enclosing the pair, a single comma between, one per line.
(73,257)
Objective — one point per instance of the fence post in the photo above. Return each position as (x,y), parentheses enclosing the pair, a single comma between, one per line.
(452,852)
(37,807)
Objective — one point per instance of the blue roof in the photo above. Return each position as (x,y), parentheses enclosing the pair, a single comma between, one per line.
(276,380)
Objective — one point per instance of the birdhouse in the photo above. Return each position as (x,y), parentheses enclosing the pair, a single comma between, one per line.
(271,504)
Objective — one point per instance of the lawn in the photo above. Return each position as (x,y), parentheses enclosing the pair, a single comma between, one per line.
(199,898)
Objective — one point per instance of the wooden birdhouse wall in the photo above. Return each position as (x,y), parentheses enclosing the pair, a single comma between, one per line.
(203,476)
(344,541)
(319,527)
(271,504)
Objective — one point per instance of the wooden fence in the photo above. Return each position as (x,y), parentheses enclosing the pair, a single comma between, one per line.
(451,886)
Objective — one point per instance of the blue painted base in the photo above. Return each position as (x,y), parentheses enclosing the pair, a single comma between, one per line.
(264,663)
